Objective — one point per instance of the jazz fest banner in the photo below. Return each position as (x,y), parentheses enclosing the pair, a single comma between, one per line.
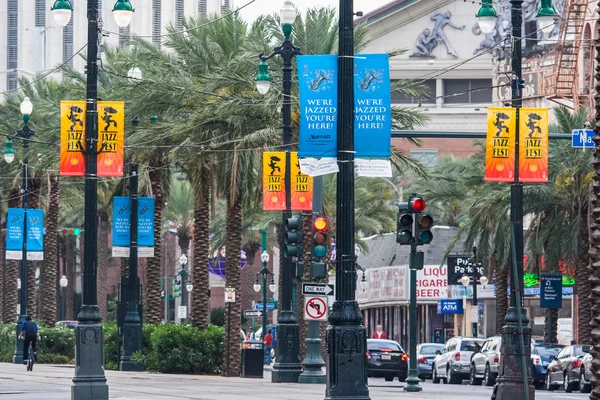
(72,138)
(317,79)
(302,186)
(533,145)
(111,134)
(372,106)
(500,145)
(273,181)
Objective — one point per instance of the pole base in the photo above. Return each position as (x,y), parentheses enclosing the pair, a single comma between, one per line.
(287,368)
(313,377)
(413,384)
(89,381)
(511,389)
(132,342)
(18,355)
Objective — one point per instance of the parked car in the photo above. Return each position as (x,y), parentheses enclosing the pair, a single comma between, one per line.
(541,355)
(386,358)
(585,384)
(426,352)
(68,324)
(453,363)
(565,369)
(484,364)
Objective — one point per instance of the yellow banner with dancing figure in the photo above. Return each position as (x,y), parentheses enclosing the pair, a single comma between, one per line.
(111,137)
(500,144)
(72,138)
(274,181)
(533,145)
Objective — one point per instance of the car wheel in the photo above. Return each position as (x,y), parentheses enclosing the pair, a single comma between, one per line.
(569,386)
(451,377)
(473,379)
(583,387)
(549,386)
(488,380)
(389,378)
(434,375)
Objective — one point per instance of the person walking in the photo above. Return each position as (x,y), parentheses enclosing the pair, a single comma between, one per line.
(268,342)
(379,333)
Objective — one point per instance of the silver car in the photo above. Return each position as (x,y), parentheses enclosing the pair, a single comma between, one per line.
(484,365)
(453,363)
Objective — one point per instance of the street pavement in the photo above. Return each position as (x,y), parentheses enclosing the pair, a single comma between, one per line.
(53,382)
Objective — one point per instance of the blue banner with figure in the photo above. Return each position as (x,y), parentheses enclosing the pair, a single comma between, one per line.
(14,230)
(372,102)
(35,230)
(121,221)
(146,221)
(317,79)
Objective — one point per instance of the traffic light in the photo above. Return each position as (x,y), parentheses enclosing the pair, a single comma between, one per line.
(292,237)
(416,204)
(404,225)
(424,224)
(70,231)
(319,244)
(176,289)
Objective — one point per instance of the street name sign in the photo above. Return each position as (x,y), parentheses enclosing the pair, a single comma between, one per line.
(252,313)
(270,306)
(315,308)
(317,289)
(551,291)
(582,138)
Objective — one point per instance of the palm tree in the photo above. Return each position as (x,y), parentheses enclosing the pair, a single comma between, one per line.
(48,273)
(179,211)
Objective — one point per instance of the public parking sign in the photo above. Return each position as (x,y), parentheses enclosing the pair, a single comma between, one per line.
(582,138)
(315,308)
(551,291)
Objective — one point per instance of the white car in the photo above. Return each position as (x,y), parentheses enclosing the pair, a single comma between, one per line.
(453,362)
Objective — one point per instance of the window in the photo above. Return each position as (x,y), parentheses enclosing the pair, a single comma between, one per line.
(428,98)
(467,91)
(426,157)
(225,5)
(124,36)
(202,7)
(156,21)
(12,41)
(40,13)
(179,14)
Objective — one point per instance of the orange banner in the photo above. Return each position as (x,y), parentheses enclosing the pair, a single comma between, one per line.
(72,138)
(533,145)
(500,145)
(273,181)
(302,186)
(111,135)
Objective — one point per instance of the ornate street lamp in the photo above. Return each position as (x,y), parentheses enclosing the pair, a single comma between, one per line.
(264,272)
(63,300)
(123,13)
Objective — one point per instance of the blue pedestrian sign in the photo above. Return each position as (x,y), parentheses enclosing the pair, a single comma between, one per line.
(582,138)
(551,291)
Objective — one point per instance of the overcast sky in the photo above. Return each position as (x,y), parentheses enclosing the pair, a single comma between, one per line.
(259,7)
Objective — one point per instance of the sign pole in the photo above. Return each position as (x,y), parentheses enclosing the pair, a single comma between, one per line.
(228,335)
(415,263)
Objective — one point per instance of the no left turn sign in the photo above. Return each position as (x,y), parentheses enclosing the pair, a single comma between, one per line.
(315,308)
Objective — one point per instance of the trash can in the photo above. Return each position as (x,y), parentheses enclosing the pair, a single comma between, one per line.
(253,359)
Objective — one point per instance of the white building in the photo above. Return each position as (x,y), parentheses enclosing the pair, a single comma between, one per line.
(31,42)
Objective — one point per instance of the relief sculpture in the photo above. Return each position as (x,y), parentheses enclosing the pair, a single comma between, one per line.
(428,40)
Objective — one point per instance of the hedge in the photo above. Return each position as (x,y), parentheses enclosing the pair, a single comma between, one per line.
(57,345)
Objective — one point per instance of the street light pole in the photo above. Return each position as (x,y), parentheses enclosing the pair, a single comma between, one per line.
(346,336)
(264,272)
(288,367)
(474,302)
(183,273)
(90,381)
(63,301)
(25,134)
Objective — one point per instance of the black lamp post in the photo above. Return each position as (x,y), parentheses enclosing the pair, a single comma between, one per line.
(513,379)
(288,367)
(183,260)
(264,272)
(63,297)
(90,381)
(25,134)
(346,336)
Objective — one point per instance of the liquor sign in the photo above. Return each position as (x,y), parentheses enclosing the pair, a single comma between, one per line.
(111,135)
(274,181)
(72,138)
(372,106)
(500,145)
(302,186)
(533,145)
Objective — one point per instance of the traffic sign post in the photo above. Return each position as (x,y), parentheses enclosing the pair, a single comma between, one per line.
(582,138)
(317,289)
(315,308)
(229,298)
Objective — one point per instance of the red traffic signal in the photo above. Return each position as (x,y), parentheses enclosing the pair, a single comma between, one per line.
(416,204)
(320,224)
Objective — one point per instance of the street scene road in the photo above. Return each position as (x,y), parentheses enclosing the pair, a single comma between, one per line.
(49,382)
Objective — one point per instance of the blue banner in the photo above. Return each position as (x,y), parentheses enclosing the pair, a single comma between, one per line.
(121,221)
(551,291)
(146,221)
(372,101)
(35,229)
(14,229)
(317,78)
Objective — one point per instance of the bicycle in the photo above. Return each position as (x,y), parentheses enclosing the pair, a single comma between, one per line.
(30,358)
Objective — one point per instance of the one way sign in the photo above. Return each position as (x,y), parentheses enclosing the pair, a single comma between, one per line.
(317,289)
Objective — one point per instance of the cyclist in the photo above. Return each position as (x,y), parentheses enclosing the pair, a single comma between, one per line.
(29,333)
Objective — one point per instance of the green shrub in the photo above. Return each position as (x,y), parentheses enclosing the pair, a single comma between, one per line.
(44,358)
(111,343)
(217,316)
(184,349)
(58,342)
(7,342)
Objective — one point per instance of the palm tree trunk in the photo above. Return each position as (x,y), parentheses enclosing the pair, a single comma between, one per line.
(71,243)
(201,299)
(501,293)
(102,244)
(153,301)
(248,274)
(12,268)
(33,202)
(48,274)
(551,332)
(582,284)
(232,280)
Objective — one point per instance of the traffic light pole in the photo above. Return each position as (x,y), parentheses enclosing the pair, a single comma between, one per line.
(415,263)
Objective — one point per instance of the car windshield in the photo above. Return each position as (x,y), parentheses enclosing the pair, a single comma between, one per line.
(470,345)
(429,350)
(378,345)
(548,350)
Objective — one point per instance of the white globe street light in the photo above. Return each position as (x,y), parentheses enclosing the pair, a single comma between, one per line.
(183,259)
(465,280)
(484,280)
(264,257)
(189,287)
(61,11)
(273,286)
(123,13)
(26,106)
(256,286)
(64,281)
(288,13)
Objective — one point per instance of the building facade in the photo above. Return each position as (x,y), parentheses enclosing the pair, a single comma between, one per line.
(32,43)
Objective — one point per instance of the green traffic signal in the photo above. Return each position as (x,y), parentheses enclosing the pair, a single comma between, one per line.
(176,289)
(424,225)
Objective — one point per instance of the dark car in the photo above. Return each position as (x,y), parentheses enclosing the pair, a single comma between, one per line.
(565,369)
(386,358)
(426,352)
(541,355)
